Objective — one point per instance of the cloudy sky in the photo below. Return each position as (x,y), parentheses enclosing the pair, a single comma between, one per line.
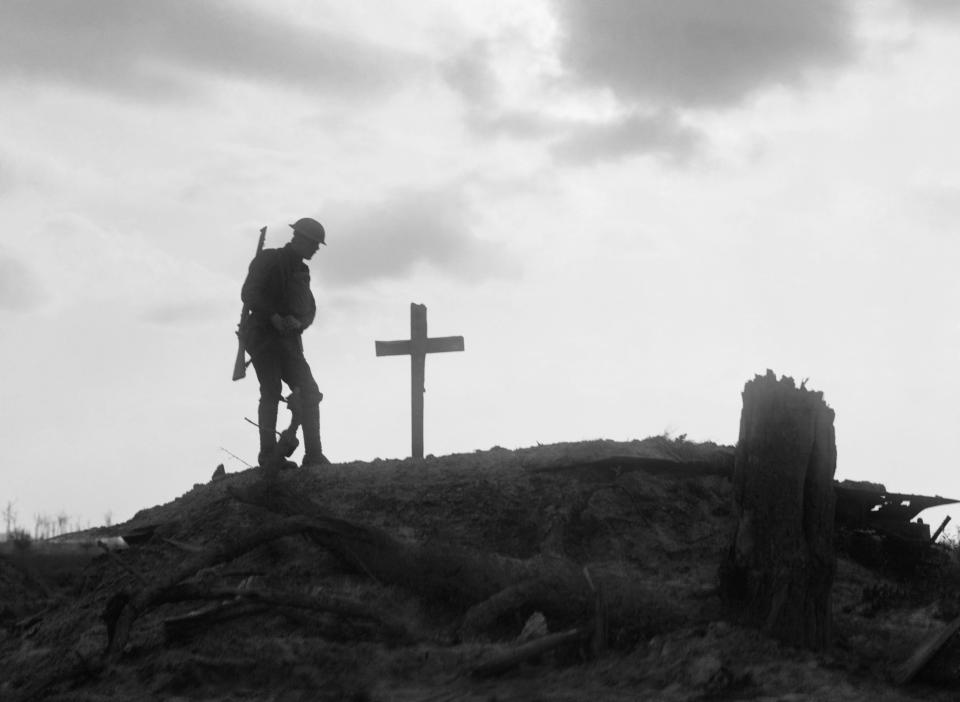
(628,209)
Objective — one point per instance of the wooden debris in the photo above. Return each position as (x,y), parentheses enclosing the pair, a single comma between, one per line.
(943,525)
(927,650)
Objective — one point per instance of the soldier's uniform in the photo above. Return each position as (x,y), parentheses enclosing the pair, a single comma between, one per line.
(278,283)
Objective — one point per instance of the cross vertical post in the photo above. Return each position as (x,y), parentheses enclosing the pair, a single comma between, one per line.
(418,374)
(417,347)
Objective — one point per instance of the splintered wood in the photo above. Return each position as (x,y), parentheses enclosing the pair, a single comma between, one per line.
(780,567)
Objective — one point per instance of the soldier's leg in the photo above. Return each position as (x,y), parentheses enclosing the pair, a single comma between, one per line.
(297,373)
(312,446)
(269,368)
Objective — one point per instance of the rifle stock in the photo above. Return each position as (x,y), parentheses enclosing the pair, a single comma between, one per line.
(240,363)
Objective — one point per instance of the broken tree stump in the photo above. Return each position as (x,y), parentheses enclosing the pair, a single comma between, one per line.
(780,566)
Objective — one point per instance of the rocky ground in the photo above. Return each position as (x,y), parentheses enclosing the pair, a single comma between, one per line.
(661,525)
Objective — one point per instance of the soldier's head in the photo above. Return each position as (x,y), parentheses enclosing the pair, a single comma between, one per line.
(308,234)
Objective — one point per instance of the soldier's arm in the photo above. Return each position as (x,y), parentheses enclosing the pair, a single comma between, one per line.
(301,298)
(307,319)
(309,312)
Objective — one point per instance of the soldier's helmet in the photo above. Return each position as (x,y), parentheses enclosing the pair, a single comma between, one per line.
(310,228)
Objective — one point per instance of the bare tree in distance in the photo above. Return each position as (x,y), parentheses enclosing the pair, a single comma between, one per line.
(10,517)
(46,526)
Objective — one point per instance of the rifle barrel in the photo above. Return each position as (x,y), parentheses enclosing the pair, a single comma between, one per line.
(240,362)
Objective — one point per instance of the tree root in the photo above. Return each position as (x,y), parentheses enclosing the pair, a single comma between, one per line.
(486,585)
(123,609)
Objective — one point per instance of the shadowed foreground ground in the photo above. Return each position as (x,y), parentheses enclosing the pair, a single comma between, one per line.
(398,580)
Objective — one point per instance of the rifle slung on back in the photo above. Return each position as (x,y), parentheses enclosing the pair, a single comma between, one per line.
(240,363)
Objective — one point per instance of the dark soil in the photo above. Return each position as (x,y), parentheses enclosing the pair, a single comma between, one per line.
(663,522)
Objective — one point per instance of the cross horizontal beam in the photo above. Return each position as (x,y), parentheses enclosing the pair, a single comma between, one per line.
(438,344)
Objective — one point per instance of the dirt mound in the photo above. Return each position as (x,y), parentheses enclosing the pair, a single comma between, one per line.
(384,582)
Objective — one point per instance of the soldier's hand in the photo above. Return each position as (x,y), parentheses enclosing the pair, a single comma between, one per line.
(285,324)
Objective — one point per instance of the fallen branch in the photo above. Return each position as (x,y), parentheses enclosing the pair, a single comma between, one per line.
(123,608)
(505,661)
(319,602)
(927,650)
(183,626)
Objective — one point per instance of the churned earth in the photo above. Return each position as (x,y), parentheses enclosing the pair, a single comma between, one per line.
(304,617)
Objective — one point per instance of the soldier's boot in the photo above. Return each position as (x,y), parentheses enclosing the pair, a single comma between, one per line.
(267,419)
(312,446)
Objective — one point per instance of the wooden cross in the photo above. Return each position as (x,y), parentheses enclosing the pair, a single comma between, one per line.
(417,347)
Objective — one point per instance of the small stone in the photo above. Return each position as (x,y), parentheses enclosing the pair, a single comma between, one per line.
(535,627)
(219,474)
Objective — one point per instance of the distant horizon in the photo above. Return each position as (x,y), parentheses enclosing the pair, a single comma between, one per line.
(935,514)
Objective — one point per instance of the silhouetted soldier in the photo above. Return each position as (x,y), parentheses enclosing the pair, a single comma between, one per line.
(277,292)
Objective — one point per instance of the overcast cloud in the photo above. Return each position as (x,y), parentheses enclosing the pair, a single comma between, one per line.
(120,274)
(644,62)
(157,48)
(20,288)
(389,239)
(935,8)
(181,313)
(702,53)
(661,134)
